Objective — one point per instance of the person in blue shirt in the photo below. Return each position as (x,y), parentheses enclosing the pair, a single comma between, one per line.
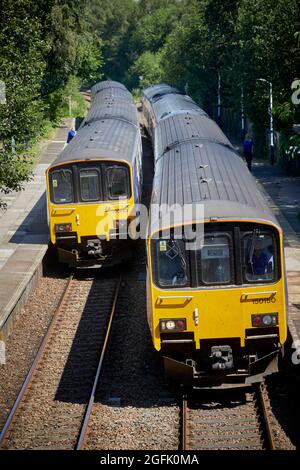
(71,134)
(260,262)
(263,260)
(248,151)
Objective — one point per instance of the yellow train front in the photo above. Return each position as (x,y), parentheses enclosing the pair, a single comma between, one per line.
(95,183)
(216,288)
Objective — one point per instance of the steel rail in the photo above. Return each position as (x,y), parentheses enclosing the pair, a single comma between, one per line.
(266,420)
(184,423)
(263,420)
(25,387)
(85,424)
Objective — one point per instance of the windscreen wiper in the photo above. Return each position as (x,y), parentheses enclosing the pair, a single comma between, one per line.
(255,234)
(182,259)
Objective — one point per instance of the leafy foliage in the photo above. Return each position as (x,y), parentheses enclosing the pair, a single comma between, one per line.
(146,70)
(43,45)
(22,66)
(66,101)
(14,171)
(50,48)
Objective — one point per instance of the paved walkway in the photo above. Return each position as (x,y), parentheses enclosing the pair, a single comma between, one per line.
(283,195)
(283,190)
(24,235)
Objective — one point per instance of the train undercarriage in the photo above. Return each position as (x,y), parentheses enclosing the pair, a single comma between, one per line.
(221,363)
(92,251)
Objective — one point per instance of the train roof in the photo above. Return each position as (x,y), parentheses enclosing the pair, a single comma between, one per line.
(108,138)
(106,84)
(174,104)
(109,94)
(113,108)
(154,92)
(202,172)
(179,128)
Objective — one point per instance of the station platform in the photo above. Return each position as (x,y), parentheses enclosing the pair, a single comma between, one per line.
(283,195)
(24,236)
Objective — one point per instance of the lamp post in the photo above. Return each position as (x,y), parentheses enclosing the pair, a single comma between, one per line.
(207,70)
(272,153)
(243,114)
(219,99)
(2,92)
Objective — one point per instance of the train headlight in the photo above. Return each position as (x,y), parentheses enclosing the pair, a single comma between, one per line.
(172,324)
(265,319)
(62,228)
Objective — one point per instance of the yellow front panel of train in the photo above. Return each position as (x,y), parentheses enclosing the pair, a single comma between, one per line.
(223,311)
(218,313)
(88,219)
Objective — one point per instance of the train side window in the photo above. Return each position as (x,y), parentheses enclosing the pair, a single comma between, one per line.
(258,257)
(62,186)
(214,261)
(117,182)
(172,267)
(89,185)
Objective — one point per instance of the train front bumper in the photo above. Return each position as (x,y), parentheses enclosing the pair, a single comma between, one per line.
(188,375)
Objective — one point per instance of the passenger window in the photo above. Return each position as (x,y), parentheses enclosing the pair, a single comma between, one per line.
(89,185)
(62,186)
(172,264)
(258,257)
(213,260)
(117,180)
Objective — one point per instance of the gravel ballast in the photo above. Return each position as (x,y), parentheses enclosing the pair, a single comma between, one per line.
(26,337)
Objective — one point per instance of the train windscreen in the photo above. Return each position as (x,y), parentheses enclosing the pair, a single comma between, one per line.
(62,186)
(89,182)
(239,255)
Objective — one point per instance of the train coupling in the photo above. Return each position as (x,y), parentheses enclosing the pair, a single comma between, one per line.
(94,247)
(221,358)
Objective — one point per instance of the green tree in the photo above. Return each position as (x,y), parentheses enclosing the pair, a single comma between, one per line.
(154,27)
(153,23)
(47,50)
(202,46)
(148,67)
(75,49)
(242,40)
(112,20)
(22,67)
(269,49)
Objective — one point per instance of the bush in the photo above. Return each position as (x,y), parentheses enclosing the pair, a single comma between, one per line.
(14,171)
(148,67)
(66,101)
(292,155)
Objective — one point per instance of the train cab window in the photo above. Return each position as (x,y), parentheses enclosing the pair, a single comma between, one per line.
(214,261)
(117,182)
(62,186)
(258,257)
(171,263)
(89,185)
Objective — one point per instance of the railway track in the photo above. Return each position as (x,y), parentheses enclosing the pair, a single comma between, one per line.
(237,423)
(54,404)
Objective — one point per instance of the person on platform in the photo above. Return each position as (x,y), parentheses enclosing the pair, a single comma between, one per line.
(71,134)
(248,151)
